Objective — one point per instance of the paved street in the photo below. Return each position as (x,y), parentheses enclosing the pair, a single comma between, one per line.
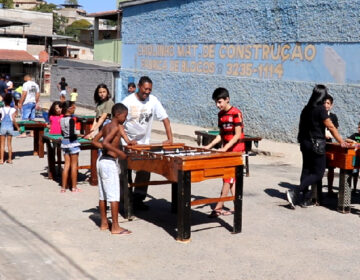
(48,235)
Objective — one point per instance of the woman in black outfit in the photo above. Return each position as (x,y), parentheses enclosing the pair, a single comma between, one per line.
(313,120)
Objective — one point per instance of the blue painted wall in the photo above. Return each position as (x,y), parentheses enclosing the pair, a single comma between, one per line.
(282,49)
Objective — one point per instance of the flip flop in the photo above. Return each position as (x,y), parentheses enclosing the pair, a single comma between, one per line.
(226,213)
(215,213)
(124,232)
(76,190)
(9,162)
(62,190)
(21,136)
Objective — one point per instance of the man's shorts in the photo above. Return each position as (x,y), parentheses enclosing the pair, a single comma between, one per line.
(63,92)
(28,111)
(108,177)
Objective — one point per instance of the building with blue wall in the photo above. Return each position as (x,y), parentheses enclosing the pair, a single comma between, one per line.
(268,53)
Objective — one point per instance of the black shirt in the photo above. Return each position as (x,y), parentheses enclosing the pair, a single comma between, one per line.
(312,123)
(355,137)
(3,86)
(63,85)
(334,119)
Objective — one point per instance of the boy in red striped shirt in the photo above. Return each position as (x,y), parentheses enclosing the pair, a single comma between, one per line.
(231,125)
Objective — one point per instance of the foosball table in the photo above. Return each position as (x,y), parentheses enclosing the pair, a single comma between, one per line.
(182,165)
(347,159)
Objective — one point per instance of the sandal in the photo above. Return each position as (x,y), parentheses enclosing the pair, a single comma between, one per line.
(76,190)
(215,213)
(62,190)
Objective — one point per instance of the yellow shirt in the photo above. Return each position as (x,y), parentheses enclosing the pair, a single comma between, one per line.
(73,96)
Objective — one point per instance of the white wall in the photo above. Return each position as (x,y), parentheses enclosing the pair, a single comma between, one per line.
(18,44)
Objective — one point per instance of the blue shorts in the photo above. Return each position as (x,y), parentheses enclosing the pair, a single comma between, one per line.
(71,148)
(8,131)
(71,151)
(28,111)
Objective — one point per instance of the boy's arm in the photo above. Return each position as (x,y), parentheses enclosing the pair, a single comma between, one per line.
(96,139)
(168,131)
(236,138)
(348,140)
(213,142)
(107,144)
(330,126)
(125,137)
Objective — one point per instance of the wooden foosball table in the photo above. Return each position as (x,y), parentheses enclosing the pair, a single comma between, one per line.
(182,165)
(347,159)
(85,123)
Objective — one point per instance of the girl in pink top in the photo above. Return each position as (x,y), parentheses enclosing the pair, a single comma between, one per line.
(55,117)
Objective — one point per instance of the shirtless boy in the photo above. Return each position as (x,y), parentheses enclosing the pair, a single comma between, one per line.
(108,168)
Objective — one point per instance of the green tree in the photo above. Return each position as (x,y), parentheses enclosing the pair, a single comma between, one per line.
(45,8)
(9,4)
(74,28)
(59,23)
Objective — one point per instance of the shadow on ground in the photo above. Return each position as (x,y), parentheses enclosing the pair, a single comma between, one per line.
(160,215)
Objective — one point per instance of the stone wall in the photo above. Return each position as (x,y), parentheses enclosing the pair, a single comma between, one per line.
(84,79)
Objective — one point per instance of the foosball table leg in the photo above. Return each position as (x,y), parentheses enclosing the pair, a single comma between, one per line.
(184,206)
(238,201)
(126,191)
(344,196)
(174,195)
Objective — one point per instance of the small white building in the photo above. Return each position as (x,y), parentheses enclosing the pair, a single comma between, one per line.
(16,61)
(70,48)
(27,4)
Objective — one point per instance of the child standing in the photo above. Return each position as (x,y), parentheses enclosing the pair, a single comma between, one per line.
(70,146)
(55,116)
(104,103)
(329,103)
(73,95)
(355,138)
(7,128)
(131,88)
(230,122)
(108,168)
(63,89)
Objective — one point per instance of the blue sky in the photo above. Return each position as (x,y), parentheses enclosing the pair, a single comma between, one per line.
(91,6)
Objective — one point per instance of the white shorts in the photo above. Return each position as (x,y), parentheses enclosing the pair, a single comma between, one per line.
(63,92)
(108,177)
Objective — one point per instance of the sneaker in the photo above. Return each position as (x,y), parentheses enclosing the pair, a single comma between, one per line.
(290,195)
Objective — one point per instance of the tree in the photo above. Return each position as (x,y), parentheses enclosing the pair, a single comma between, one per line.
(59,23)
(45,8)
(9,4)
(74,28)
